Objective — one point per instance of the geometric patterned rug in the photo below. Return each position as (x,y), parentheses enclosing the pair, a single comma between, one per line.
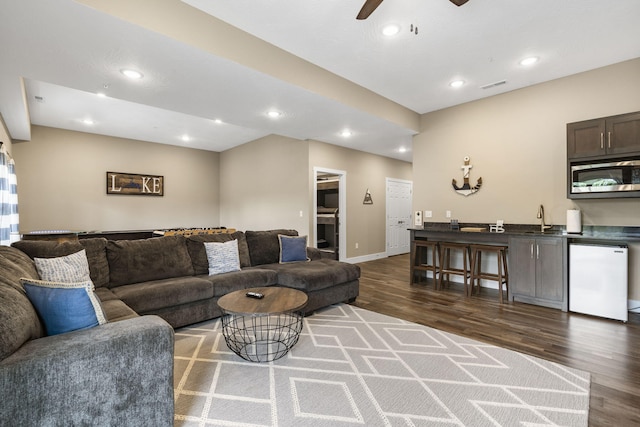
(355,367)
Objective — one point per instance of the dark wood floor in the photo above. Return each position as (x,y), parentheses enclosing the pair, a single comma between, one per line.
(609,349)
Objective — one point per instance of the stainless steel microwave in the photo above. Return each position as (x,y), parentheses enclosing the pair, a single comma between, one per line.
(605,177)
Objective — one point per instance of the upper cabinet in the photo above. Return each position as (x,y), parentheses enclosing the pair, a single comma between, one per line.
(603,157)
(605,137)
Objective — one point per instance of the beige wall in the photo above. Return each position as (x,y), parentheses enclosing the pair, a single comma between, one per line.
(365,223)
(62,183)
(264,185)
(517,144)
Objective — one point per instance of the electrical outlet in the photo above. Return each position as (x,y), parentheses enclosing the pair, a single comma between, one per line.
(428,214)
(357,245)
(448,214)
(300,214)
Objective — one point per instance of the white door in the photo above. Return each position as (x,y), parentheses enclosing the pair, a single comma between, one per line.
(398,215)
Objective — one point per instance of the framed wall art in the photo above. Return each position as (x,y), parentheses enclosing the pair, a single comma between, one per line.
(135,184)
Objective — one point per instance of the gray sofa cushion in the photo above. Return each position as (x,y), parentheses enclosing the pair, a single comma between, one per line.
(158,294)
(116,310)
(315,275)
(117,374)
(97,256)
(19,321)
(264,247)
(16,264)
(105,294)
(247,278)
(195,246)
(136,261)
(113,307)
(95,248)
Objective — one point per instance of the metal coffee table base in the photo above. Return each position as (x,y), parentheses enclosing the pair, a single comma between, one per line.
(262,338)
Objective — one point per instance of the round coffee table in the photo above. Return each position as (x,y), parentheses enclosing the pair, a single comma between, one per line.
(262,330)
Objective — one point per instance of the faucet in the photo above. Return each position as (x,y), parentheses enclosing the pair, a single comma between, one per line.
(540,216)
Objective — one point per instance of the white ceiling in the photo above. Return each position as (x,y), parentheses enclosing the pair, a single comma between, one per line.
(67,52)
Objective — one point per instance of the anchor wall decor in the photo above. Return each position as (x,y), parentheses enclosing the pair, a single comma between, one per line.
(466,189)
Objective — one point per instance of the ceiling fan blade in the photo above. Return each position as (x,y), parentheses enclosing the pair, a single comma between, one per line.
(368,8)
(459,2)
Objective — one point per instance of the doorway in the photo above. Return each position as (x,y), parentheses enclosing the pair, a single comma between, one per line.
(329,216)
(399,195)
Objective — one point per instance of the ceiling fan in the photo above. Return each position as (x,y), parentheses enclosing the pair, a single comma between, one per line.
(371,5)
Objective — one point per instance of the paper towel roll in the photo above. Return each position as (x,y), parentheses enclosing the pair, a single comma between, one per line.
(574,221)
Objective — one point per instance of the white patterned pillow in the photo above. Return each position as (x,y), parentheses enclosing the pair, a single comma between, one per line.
(223,257)
(72,268)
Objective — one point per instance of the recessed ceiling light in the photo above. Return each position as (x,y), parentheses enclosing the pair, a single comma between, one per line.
(132,74)
(346,133)
(101,95)
(391,30)
(529,61)
(217,121)
(402,150)
(456,83)
(186,138)
(274,114)
(88,122)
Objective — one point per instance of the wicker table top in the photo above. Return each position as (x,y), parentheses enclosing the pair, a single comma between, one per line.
(276,300)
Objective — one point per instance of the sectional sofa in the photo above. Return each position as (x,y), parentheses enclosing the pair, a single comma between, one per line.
(121,372)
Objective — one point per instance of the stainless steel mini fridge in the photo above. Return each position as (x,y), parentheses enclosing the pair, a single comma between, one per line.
(598,280)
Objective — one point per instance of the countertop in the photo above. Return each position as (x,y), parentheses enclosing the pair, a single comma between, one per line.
(590,232)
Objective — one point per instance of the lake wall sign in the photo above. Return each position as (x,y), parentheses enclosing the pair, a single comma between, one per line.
(135,184)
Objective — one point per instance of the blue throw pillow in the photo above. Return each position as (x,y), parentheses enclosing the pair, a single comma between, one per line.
(64,307)
(292,248)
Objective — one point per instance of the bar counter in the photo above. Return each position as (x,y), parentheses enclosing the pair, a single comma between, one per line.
(542,279)
(622,234)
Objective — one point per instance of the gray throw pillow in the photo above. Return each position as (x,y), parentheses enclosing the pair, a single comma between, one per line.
(222,257)
(67,269)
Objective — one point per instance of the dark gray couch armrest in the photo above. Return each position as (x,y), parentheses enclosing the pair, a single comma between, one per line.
(117,374)
(313,253)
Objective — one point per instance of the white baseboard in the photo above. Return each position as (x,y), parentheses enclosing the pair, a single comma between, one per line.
(365,258)
(634,306)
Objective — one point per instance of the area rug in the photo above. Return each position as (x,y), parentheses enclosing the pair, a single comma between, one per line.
(356,367)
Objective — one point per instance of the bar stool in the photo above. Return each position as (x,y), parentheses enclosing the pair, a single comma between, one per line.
(502,275)
(420,259)
(445,263)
